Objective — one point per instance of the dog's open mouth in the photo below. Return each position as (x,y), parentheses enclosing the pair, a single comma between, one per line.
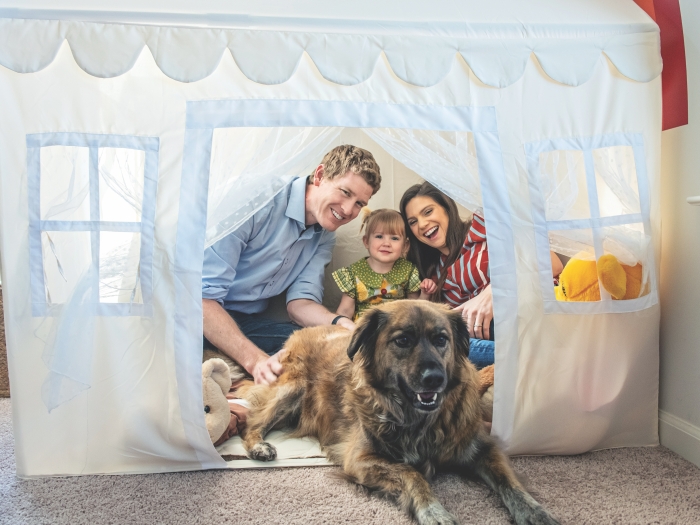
(421,400)
(427,398)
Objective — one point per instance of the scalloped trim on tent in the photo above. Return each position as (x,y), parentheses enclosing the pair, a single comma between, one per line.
(271,57)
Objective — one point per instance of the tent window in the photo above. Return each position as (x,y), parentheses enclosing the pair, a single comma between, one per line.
(590,205)
(92,207)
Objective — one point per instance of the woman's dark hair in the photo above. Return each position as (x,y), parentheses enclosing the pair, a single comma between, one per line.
(422,255)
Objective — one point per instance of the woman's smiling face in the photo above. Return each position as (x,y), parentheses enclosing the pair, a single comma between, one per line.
(428,222)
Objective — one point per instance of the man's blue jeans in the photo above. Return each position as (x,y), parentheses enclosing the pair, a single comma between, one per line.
(267,334)
(270,335)
(481,352)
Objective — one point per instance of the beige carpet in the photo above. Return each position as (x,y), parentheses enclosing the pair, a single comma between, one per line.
(624,486)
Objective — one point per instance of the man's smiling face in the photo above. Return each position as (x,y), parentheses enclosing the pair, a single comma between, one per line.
(334,202)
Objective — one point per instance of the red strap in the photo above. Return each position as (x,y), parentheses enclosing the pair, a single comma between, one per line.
(674,78)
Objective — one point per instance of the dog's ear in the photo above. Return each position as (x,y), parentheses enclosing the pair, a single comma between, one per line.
(365,336)
(460,332)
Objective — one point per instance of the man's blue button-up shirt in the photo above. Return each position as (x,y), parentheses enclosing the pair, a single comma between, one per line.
(271,252)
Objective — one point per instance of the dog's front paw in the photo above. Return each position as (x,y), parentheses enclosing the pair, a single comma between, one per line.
(263,451)
(435,514)
(536,516)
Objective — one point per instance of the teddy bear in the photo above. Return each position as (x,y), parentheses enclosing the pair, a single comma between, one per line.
(486,381)
(222,419)
(579,279)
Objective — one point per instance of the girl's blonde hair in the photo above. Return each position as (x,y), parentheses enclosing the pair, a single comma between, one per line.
(390,221)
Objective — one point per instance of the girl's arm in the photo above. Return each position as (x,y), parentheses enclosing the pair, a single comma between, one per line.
(427,289)
(346,306)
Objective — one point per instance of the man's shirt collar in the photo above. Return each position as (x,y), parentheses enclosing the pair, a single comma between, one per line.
(296,205)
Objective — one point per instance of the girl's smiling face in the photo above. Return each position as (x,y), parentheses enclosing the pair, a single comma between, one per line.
(428,222)
(385,247)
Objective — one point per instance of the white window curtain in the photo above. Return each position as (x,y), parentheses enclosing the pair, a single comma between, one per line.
(564,186)
(447,159)
(92,208)
(590,197)
(250,165)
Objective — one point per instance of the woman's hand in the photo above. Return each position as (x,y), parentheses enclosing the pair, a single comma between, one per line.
(477,313)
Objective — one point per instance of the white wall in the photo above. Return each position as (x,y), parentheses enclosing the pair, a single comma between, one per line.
(679,403)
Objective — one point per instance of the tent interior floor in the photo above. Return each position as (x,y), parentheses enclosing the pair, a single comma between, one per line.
(630,486)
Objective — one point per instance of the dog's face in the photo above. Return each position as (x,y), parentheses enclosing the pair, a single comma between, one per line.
(410,348)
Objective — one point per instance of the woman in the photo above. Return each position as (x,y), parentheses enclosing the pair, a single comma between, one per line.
(455,254)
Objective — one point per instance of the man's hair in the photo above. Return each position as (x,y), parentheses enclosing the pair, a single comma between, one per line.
(338,161)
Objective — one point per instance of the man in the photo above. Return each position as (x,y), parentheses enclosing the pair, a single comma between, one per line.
(284,246)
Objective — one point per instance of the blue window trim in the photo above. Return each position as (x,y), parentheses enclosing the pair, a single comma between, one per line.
(203,117)
(595,223)
(150,145)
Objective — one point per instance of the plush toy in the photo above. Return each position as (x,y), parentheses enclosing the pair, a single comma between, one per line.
(216,382)
(222,419)
(486,380)
(579,279)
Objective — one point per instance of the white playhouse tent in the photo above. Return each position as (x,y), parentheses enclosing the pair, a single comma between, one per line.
(132,139)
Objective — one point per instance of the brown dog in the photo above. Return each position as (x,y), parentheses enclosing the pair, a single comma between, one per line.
(390,403)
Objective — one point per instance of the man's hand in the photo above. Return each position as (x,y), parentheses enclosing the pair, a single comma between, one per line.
(477,313)
(345,323)
(267,369)
(223,332)
(427,289)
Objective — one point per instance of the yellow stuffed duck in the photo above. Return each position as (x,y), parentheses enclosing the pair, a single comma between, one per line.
(579,279)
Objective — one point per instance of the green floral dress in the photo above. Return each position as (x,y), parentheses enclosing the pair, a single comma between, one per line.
(370,288)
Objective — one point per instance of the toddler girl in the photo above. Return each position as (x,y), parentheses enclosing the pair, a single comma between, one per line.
(385,275)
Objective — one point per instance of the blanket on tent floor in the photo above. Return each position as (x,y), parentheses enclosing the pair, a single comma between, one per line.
(291,452)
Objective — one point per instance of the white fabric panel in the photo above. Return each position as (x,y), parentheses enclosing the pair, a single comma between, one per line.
(566,60)
(94,48)
(420,61)
(496,52)
(276,57)
(357,53)
(565,383)
(625,52)
(200,49)
(46,37)
(497,62)
(556,350)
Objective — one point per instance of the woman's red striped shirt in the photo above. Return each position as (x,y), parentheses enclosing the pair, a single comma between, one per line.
(469,274)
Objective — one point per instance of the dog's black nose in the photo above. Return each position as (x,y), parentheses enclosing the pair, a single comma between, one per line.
(432,378)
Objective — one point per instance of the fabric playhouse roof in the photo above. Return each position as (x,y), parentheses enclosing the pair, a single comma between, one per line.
(420,40)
